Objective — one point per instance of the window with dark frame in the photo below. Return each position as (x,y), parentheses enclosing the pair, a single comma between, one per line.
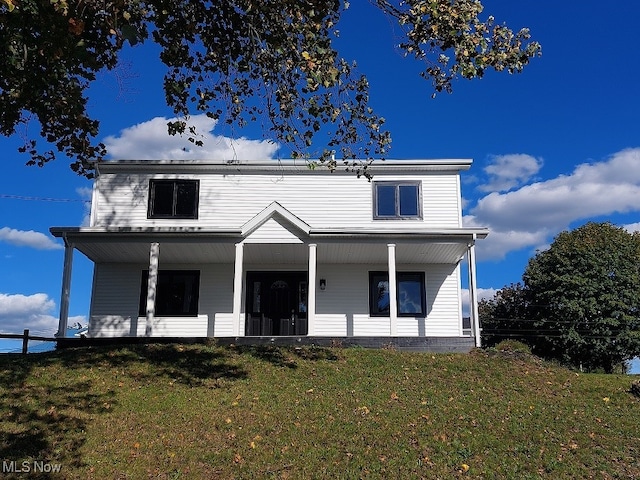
(410,292)
(397,200)
(173,198)
(177,293)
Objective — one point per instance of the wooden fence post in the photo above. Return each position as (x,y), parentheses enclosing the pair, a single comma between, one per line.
(25,341)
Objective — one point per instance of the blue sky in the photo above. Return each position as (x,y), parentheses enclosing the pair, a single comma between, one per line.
(553,147)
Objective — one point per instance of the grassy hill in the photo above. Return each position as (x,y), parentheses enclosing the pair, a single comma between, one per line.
(188,411)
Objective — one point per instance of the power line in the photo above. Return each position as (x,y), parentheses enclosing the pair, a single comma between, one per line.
(41,199)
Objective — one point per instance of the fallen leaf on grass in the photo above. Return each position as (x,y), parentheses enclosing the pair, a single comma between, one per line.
(363,410)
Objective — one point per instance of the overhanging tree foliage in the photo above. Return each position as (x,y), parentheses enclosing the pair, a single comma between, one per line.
(580,301)
(236,60)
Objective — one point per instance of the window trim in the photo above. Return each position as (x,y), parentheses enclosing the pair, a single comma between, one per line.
(175,181)
(144,283)
(399,278)
(397,184)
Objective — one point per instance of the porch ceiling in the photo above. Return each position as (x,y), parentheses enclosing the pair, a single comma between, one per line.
(219,251)
(170,251)
(406,252)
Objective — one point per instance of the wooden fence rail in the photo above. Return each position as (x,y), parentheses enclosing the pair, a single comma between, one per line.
(26,337)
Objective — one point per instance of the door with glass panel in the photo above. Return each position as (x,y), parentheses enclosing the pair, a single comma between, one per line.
(276,303)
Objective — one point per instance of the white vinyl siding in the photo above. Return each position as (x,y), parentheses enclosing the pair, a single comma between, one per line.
(273,231)
(216,297)
(443,301)
(342,309)
(116,289)
(322,201)
(116,296)
(441,202)
(345,296)
(175,326)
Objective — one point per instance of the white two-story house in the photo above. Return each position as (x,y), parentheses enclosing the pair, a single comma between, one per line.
(272,248)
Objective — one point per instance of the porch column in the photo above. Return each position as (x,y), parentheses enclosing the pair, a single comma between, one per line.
(152,287)
(66,289)
(473,291)
(311,289)
(393,296)
(237,289)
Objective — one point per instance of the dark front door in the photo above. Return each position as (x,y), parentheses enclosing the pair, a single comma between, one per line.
(276,303)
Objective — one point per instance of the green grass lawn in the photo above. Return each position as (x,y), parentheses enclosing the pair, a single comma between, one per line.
(193,411)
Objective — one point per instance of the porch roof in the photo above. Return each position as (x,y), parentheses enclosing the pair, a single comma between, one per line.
(198,245)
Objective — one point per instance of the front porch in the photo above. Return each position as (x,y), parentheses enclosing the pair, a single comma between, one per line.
(334,268)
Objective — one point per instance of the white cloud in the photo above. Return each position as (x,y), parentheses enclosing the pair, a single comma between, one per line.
(483,294)
(28,238)
(509,171)
(486,293)
(150,141)
(531,215)
(632,227)
(34,312)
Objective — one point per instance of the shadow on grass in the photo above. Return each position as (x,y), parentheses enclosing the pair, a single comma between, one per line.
(46,411)
(193,365)
(286,356)
(43,420)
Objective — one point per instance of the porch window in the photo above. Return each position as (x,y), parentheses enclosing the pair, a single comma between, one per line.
(176,295)
(397,200)
(410,291)
(173,199)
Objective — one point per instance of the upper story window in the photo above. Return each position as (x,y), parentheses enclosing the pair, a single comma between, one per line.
(397,200)
(173,199)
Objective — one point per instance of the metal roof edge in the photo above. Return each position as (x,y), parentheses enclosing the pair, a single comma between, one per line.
(61,232)
(160,231)
(288,165)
